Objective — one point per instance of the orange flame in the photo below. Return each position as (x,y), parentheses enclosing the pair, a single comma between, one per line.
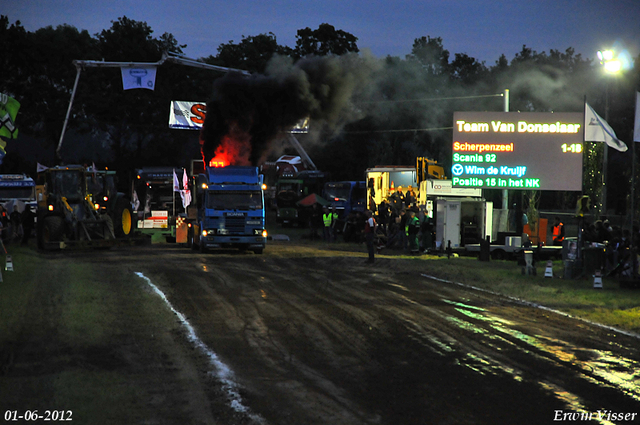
(232,151)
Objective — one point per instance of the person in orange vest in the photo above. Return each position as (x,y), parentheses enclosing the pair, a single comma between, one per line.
(558,232)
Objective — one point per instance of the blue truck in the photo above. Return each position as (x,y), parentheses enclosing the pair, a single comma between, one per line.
(346,197)
(227,210)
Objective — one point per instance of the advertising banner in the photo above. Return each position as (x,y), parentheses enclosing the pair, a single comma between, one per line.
(188,115)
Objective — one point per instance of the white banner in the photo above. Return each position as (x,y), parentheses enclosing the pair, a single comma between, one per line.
(187,115)
(138,78)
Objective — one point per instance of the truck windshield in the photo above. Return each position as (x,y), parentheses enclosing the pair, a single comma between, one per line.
(69,184)
(234,200)
(337,191)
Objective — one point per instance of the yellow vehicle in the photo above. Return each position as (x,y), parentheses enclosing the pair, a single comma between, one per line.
(80,206)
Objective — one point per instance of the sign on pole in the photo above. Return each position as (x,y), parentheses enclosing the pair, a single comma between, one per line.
(513,150)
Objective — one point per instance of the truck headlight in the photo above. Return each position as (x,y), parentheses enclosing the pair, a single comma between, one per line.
(205,233)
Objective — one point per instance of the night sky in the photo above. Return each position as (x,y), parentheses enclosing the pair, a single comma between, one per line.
(482,29)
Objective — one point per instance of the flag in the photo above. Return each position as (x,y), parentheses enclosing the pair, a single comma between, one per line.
(138,78)
(8,112)
(598,130)
(41,168)
(185,193)
(176,184)
(636,128)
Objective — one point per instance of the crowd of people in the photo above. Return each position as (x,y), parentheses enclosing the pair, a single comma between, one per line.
(619,246)
(402,225)
(16,226)
(397,224)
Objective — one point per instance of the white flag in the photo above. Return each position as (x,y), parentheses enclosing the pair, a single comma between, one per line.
(138,78)
(40,168)
(636,128)
(598,130)
(185,193)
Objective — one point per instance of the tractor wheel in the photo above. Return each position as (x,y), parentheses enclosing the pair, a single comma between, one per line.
(122,219)
(51,231)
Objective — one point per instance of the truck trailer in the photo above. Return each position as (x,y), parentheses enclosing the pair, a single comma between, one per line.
(227,210)
(346,197)
(18,190)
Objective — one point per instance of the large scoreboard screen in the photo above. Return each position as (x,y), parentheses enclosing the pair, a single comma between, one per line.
(514,150)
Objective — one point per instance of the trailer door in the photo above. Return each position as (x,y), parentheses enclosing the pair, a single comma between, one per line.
(447,223)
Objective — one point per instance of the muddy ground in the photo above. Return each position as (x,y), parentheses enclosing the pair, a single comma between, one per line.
(300,335)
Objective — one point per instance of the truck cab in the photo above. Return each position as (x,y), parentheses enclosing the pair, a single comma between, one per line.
(230,209)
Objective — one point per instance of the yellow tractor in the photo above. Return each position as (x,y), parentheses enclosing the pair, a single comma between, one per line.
(81,207)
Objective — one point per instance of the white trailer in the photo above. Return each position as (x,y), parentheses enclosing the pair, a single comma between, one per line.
(462,221)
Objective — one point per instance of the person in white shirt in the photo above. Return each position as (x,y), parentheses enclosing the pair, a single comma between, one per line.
(370,234)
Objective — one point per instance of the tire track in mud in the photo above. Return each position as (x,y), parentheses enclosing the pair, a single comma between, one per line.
(500,352)
(565,369)
(340,310)
(384,345)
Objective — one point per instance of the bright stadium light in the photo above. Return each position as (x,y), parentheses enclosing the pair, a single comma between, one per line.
(611,64)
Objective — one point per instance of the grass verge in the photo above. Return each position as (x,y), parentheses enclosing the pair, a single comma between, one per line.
(611,306)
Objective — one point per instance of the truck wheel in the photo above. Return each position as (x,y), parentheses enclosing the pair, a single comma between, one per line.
(499,254)
(122,218)
(203,248)
(51,231)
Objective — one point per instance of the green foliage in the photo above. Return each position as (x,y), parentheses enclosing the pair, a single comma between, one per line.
(325,40)
(252,53)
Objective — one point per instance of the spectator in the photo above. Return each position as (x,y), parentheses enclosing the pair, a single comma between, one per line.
(404,234)
(426,229)
(558,232)
(410,198)
(397,199)
(383,215)
(413,228)
(370,234)
(28,221)
(16,223)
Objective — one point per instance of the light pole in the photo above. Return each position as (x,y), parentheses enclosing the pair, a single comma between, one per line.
(612,66)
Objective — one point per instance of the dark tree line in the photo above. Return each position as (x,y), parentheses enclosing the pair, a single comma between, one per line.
(399,108)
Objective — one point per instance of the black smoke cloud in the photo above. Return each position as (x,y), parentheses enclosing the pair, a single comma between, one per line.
(254,110)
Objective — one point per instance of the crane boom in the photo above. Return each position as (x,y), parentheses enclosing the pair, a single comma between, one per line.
(81,64)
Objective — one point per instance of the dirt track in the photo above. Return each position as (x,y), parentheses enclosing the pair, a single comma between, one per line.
(301,336)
